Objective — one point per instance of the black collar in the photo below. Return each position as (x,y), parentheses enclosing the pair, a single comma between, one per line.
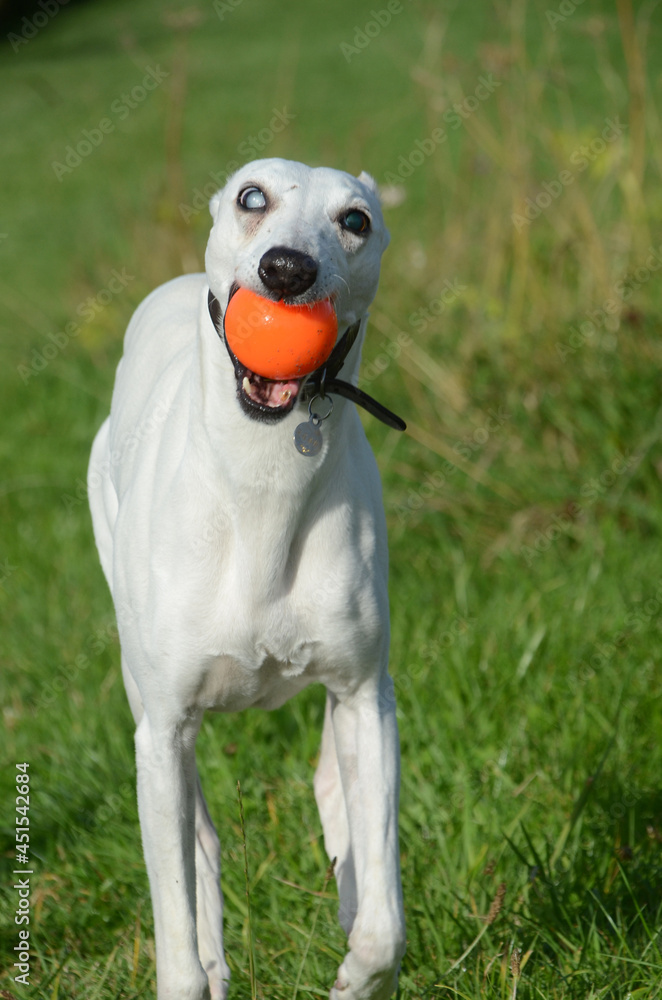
(323,380)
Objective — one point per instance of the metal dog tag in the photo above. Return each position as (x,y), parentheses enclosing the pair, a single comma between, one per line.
(308,437)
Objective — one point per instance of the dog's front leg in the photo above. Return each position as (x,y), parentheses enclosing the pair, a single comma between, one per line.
(366,741)
(209,899)
(165,756)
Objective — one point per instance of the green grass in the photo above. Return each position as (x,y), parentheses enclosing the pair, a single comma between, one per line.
(523,503)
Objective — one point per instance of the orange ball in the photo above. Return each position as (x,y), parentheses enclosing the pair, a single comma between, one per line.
(276,340)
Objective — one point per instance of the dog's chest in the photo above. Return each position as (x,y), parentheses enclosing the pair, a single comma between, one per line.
(254,594)
(264,623)
(260,653)
(257,676)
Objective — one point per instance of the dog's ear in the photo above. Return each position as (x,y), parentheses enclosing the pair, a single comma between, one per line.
(373,186)
(369,182)
(214,203)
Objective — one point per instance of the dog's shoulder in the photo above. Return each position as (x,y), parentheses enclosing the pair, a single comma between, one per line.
(152,377)
(169,312)
(160,338)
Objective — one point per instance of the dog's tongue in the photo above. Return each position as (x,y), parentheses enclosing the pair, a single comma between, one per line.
(268,392)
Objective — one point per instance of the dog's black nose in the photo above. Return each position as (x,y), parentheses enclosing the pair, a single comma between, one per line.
(289,272)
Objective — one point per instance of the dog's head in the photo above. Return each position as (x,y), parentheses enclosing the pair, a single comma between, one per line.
(298,234)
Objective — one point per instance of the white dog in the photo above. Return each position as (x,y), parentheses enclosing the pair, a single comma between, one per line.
(247,562)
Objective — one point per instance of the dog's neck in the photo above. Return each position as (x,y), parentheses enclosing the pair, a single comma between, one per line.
(260,458)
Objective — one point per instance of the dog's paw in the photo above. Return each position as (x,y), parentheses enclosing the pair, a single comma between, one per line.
(218,975)
(357,982)
(219,989)
(219,992)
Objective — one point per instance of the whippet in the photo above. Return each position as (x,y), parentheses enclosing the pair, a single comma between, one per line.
(245,565)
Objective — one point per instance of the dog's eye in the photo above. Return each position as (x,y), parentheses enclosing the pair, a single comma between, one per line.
(356,221)
(252,198)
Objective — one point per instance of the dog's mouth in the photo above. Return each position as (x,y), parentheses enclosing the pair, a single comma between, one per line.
(262,398)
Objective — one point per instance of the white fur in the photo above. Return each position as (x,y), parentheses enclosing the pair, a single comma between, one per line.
(242,572)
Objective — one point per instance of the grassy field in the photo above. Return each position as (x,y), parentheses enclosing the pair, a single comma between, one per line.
(517,329)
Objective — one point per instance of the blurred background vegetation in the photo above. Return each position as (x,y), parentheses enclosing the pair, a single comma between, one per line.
(517,329)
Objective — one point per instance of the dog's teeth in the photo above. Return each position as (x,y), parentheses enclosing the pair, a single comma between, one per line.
(246,385)
(286,395)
